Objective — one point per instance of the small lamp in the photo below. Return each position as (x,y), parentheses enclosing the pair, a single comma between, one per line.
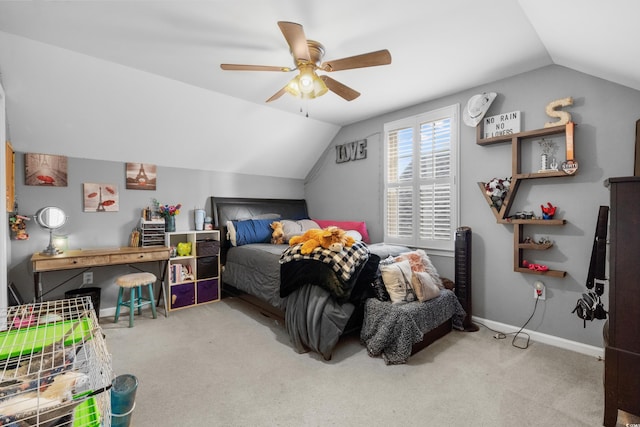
(61,243)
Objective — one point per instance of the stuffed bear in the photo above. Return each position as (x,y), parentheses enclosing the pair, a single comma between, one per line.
(277,237)
(332,238)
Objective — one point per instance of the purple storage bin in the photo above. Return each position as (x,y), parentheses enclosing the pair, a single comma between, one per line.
(207,290)
(183,295)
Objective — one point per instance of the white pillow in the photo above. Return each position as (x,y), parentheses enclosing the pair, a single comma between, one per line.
(424,286)
(397,281)
(420,261)
(231,233)
(355,234)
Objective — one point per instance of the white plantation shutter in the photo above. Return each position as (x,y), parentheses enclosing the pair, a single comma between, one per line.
(420,196)
(400,218)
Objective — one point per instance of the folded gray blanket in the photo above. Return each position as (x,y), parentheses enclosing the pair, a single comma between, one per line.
(391,330)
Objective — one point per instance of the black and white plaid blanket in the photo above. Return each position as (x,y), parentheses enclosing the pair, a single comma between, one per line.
(344,263)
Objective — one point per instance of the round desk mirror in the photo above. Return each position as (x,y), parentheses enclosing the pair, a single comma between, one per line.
(51,218)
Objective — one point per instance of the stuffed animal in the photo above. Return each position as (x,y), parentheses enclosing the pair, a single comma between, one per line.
(332,238)
(497,190)
(277,237)
(549,211)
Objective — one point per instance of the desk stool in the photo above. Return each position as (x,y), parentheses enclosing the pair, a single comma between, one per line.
(135,282)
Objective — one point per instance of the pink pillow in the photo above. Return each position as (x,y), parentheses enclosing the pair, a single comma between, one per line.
(359,226)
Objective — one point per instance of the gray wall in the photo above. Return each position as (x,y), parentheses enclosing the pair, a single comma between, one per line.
(605,114)
(191,188)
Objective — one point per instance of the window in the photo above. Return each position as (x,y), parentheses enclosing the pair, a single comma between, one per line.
(420,180)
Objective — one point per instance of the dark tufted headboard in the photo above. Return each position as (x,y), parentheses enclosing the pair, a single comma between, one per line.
(226,209)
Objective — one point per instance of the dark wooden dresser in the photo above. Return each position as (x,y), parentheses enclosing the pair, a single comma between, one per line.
(622,351)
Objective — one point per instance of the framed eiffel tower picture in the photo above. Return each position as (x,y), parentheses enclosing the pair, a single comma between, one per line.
(100,197)
(141,176)
(45,170)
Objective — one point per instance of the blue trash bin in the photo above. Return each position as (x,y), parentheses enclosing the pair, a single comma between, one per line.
(123,400)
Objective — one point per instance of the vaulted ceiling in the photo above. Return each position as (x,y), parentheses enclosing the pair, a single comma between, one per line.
(437,47)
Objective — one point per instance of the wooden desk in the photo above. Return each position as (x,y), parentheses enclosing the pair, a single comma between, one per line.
(88,258)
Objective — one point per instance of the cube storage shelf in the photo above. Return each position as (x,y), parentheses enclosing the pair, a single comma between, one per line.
(193,279)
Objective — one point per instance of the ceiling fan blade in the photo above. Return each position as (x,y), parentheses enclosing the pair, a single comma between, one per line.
(294,34)
(276,95)
(371,59)
(241,67)
(339,89)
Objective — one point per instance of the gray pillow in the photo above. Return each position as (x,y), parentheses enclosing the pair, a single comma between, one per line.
(292,228)
(384,250)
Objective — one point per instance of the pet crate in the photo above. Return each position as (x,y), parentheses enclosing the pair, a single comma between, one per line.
(54,365)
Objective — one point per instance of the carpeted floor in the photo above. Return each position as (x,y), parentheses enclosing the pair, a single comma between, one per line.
(225,364)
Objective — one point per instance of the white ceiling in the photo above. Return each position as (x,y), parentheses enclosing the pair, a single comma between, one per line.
(438,47)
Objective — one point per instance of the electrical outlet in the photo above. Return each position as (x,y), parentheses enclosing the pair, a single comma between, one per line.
(87,278)
(539,290)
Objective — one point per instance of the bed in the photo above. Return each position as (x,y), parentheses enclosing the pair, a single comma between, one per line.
(314,315)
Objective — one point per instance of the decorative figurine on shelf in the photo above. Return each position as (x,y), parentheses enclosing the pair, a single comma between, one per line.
(19,226)
(497,190)
(548,161)
(534,267)
(184,249)
(549,211)
(563,116)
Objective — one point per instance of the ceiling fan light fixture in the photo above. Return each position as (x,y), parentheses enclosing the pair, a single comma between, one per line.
(306,79)
(306,85)
(319,88)
(293,87)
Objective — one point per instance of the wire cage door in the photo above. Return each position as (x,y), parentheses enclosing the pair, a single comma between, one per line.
(54,365)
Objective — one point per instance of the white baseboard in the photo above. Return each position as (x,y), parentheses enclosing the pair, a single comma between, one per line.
(106,312)
(111,311)
(578,347)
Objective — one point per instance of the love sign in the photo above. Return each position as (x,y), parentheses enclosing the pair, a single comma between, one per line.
(356,150)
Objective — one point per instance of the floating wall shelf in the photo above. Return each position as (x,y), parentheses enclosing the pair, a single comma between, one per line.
(502,215)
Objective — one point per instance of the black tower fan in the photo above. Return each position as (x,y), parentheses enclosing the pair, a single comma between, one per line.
(463,274)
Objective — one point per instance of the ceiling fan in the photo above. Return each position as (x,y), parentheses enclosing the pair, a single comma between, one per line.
(307,56)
